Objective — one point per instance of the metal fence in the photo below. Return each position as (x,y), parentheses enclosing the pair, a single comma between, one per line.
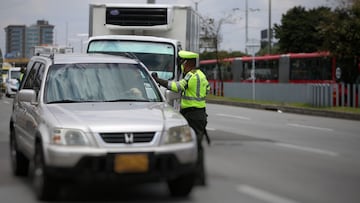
(327,95)
(317,95)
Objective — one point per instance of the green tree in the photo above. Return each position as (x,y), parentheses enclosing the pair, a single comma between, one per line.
(265,50)
(222,54)
(212,32)
(342,34)
(1,58)
(298,31)
(342,39)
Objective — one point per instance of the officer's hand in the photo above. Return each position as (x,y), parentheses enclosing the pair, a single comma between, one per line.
(155,76)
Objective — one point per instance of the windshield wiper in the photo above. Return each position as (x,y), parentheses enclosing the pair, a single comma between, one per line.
(65,101)
(128,100)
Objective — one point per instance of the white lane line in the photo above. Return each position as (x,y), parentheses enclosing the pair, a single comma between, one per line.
(309,127)
(263,195)
(308,149)
(6,102)
(233,116)
(210,129)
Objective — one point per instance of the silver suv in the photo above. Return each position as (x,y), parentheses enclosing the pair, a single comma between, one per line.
(97,117)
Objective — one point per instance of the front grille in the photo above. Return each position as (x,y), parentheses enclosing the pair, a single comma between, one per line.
(127,138)
(136,16)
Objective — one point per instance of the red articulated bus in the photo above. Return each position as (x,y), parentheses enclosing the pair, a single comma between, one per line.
(316,67)
(300,68)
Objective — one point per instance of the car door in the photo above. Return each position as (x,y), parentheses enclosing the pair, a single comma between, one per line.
(28,116)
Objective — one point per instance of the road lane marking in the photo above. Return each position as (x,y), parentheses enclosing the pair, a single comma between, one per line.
(227,143)
(309,127)
(233,116)
(210,129)
(6,102)
(308,149)
(263,195)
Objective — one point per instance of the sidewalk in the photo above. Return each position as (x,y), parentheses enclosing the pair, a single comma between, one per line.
(287,109)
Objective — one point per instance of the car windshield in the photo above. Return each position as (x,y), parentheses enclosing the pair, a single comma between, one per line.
(159,57)
(95,82)
(15,74)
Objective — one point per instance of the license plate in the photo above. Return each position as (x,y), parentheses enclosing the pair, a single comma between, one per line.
(131,163)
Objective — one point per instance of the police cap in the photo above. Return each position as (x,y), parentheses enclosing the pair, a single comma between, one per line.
(188,55)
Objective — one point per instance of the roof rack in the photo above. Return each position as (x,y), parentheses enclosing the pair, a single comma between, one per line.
(49,55)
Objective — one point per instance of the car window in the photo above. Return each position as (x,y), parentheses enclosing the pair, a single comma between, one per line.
(99,83)
(29,82)
(39,77)
(33,81)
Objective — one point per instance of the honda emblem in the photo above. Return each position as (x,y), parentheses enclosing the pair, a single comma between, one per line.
(129,138)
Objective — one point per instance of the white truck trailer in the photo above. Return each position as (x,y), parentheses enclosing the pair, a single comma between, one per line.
(178,22)
(153,33)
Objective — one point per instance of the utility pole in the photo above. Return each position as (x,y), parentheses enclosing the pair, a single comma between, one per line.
(269,30)
(196,4)
(246,25)
(66,34)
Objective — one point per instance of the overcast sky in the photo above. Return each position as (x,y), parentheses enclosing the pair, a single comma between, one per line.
(70,17)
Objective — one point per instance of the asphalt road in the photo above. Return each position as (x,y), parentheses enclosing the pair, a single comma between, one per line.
(256,156)
(288,109)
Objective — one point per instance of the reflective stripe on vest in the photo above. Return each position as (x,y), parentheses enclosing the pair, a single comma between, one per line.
(197,97)
(195,94)
(194,89)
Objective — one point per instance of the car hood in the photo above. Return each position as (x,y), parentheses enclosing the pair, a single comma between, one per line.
(13,82)
(118,116)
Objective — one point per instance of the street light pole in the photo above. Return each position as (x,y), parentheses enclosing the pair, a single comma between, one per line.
(253,46)
(269,29)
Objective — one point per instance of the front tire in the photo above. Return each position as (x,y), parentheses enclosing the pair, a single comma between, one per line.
(45,187)
(19,163)
(7,93)
(181,186)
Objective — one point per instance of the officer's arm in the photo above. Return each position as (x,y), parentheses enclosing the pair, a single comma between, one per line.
(161,82)
(207,88)
(178,86)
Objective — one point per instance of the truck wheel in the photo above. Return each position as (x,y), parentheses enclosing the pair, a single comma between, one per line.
(181,186)
(45,188)
(19,163)
(7,93)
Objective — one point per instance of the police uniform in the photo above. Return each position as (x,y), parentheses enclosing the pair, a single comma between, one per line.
(193,87)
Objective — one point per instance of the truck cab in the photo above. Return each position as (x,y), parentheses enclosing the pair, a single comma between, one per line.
(150,33)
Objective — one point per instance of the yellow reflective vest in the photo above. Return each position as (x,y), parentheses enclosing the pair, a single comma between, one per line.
(194,87)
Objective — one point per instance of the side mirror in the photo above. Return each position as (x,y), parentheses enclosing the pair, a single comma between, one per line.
(173,98)
(170,95)
(27,95)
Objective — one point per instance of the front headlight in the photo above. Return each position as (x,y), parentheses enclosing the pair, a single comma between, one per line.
(70,137)
(179,134)
(14,82)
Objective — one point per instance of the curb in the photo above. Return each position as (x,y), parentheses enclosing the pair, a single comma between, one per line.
(286,109)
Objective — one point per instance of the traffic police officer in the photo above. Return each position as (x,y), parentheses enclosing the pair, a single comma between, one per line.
(193,87)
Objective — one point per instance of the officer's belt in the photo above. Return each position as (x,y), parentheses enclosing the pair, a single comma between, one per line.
(191,109)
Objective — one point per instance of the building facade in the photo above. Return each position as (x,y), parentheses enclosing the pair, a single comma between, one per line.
(20,39)
(15,41)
